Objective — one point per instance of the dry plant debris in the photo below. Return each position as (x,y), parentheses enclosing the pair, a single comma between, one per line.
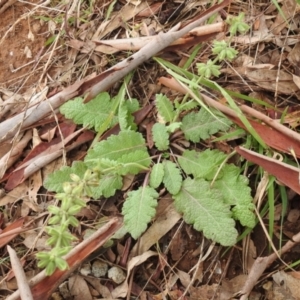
(52,52)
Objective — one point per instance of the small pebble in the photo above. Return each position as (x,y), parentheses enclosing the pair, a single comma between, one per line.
(85,269)
(116,274)
(99,268)
(36,27)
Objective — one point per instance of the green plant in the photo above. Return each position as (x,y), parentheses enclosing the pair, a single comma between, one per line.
(210,193)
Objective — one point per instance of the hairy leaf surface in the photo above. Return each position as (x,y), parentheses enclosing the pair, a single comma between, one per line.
(134,162)
(186,106)
(203,164)
(160,136)
(156,175)
(165,107)
(172,177)
(202,124)
(204,208)
(139,209)
(125,117)
(91,114)
(116,146)
(107,185)
(54,182)
(236,192)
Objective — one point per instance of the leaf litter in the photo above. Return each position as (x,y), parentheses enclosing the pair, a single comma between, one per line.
(267,67)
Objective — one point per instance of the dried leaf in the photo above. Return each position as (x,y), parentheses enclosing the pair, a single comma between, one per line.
(121,290)
(267,79)
(79,288)
(285,173)
(166,218)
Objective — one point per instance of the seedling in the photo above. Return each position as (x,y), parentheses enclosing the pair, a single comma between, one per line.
(210,193)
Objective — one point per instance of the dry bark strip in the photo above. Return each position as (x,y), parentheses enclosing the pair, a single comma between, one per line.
(274,134)
(28,168)
(135,44)
(24,289)
(10,127)
(285,173)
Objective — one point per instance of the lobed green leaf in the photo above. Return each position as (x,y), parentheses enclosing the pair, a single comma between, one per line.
(156,175)
(203,207)
(236,192)
(202,124)
(203,164)
(139,209)
(92,114)
(125,117)
(116,146)
(55,181)
(173,126)
(108,185)
(165,108)
(172,177)
(160,136)
(189,105)
(134,162)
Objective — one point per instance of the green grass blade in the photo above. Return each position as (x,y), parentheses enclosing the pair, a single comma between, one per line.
(284,199)
(188,76)
(271,201)
(240,114)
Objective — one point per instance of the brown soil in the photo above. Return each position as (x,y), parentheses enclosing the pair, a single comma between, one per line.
(20,34)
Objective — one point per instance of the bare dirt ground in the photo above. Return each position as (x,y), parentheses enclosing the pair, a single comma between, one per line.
(22,43)
(53,49)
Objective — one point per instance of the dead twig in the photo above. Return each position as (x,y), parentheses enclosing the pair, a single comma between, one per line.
(103,81)
(134,44)
(261,263)
(23,286)
(6,5)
